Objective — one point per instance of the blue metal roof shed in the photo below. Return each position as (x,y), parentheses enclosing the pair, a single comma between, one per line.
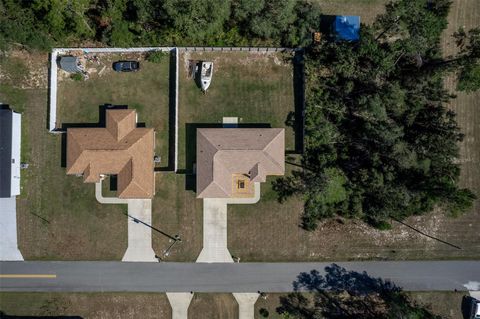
(347,28)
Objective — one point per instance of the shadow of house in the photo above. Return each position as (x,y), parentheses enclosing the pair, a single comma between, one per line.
(297,119)
(341,293)
(191,147)
(172,113)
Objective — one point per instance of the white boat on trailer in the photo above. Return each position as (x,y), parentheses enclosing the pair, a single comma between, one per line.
(206,73)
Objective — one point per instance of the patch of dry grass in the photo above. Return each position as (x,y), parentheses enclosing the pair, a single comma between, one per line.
(366,9)
(213,306)
(86,305)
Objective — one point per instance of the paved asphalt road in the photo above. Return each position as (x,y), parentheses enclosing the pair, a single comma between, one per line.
(243,277)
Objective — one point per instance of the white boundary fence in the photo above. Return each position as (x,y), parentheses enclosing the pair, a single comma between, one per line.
(177,61)
(53,73)
(52,125)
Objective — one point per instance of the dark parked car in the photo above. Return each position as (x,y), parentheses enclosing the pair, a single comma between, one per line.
(126,66)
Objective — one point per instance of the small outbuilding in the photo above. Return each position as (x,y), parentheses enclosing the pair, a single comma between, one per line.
(346,28)
(70,64)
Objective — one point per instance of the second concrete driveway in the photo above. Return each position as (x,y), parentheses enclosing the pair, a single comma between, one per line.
(215,248)
(214,232)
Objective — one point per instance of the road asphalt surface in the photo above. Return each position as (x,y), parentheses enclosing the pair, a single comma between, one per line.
(87,276)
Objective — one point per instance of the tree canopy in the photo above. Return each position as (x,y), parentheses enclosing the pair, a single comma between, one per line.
(380,141)
(40,24)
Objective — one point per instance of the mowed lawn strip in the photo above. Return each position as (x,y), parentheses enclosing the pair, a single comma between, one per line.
(255,87)
(366,9)
(213,306)
(176,211)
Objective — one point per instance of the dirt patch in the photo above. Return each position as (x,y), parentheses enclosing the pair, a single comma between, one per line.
(97,65)
(25,70)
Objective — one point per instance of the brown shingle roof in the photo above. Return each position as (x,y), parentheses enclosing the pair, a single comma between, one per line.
(121,148)
(223,154)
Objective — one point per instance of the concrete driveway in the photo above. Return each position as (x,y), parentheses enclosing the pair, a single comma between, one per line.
(214,232)
(139,225)
(215,227)
(139,231)
(8,230)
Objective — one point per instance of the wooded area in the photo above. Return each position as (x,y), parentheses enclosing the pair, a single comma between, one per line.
(41,24)
(380,142)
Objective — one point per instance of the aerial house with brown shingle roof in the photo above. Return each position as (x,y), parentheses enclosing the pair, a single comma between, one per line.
(120,148)
(231,160)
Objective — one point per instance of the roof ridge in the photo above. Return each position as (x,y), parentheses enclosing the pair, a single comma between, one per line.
(148,130)
(268,155)
(216,184)
(213,177)
(209,141)
(273,139)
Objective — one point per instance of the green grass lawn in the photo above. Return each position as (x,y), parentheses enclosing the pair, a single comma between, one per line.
(145,91)
(58,217)
(256,88)
(176,211)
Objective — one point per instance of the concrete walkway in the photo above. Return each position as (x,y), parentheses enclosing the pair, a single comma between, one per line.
(179,301)
(246,304)
(139,226)
(8,230)
(107,200)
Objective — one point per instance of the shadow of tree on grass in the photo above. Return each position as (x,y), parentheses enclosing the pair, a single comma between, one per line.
(348,294)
